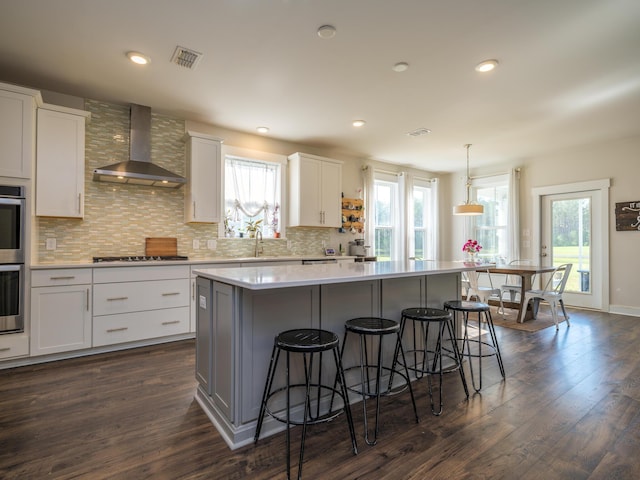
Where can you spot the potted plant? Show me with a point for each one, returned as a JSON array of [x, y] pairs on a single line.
[[274, 221], [228, 227], [253, 226]]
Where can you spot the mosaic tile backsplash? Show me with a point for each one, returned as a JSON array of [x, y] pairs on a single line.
[[118, 218]]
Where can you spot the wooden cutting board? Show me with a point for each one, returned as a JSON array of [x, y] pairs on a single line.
[[161, 246]]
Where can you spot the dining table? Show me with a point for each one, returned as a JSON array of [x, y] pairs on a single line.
[[526, 273]]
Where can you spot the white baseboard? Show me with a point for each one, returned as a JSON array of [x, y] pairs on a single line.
[[625, 310]]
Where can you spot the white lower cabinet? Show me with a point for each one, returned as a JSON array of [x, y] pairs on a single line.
[[60, 310], [14, 345], [139, 303]]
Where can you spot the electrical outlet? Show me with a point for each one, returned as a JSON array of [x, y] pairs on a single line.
[[212, 244], [289, 244], [196, 244], [50, 244]]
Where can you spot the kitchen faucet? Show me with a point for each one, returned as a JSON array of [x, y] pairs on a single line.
[[258, 248]]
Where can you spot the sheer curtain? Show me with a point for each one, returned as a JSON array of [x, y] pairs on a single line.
[[513, 219], [435, 220], [369, 204], [253, 186]]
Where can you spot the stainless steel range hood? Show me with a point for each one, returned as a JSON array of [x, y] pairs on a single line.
[[139, 170]]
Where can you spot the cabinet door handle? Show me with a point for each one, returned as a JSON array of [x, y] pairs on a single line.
[[5, 349], [193, 290], [112, 299], [79, 202], [68, 277], [168, 294], [121, 329], [194, 210], [87, 299], [171, 322]]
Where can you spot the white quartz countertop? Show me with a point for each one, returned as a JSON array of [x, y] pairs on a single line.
[[283, 276], [195, 263]]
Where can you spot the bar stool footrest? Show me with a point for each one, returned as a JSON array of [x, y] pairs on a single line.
[[324, 418], [388, 391]]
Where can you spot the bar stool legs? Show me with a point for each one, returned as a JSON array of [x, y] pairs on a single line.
[[307, 342], [434, 366], [366, 327], [493, 349]]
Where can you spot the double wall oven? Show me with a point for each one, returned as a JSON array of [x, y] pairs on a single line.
[[12, 255]]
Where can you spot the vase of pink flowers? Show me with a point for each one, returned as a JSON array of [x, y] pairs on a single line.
[[471, 248]]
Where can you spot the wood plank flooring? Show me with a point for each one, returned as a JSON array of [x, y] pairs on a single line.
[[569, 409]]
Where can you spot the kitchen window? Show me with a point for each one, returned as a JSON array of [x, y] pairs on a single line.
[[404, 213], [497, 229], [422, 214], [253, 192], [387, 215]]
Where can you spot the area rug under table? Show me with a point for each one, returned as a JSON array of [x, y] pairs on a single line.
[[510, 320]]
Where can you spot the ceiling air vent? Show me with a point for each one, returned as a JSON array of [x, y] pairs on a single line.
[[186, 57], [418, 132]]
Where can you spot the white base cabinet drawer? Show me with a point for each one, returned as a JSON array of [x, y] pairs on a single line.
[[60, 276], [114, 298], [130, 327], [14, 345]]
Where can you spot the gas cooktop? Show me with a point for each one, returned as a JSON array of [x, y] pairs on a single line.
[[139, 258]]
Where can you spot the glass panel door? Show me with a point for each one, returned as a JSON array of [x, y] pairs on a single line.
[[568, 223]]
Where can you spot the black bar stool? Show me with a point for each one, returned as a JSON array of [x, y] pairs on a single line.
[[482, 310], [307, 342], [422, 364], [375, 326]]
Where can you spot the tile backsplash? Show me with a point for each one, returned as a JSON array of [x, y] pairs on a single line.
[[118, 218]]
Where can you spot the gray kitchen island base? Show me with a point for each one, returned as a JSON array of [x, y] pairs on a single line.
[[236, 326]]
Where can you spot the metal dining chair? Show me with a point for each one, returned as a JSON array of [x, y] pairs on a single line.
[[551, 293], [513, 284], [480, 291]]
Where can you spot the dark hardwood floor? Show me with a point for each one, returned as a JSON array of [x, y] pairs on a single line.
[[569, 409]]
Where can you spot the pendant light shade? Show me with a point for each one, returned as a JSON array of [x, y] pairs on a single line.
[[468, 208]]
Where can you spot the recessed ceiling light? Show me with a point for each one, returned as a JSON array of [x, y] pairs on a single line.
[[358, 123], [139, 58], [262, 129], [400, 67], [486, 66], [327, 31]]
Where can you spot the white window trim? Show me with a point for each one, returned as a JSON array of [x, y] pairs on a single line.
[[250, 154]]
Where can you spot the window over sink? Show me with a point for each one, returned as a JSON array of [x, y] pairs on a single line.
[[253, 192]]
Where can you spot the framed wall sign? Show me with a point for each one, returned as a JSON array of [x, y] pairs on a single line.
[[628, 216]]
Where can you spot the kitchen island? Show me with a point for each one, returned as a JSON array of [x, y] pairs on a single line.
[[241, 310]]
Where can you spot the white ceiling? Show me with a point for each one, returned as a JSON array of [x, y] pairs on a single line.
[[569, 70]]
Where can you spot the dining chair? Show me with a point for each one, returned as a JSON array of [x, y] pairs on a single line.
[[551, 293], [480, 291], [513, 283]]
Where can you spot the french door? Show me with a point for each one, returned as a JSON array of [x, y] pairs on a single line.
[[573, 228]]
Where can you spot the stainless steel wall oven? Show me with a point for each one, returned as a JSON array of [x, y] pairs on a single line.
[[12, 254]]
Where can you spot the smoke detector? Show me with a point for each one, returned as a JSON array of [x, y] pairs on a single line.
[[185, 57]]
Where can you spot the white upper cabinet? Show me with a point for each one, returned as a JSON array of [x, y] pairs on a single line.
[[60, 162], [204, 179], [315, 190], [17, 130]]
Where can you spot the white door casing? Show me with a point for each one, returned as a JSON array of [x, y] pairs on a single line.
[[598, 192]]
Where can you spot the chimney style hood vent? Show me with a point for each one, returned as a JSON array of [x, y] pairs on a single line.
[[139, 170]]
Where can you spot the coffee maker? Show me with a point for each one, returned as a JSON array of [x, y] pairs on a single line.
[[357, 248]]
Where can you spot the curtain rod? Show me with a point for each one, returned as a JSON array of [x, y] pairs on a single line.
[[517, 170]]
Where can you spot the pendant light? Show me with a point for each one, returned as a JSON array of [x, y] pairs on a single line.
[[468, 208]]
